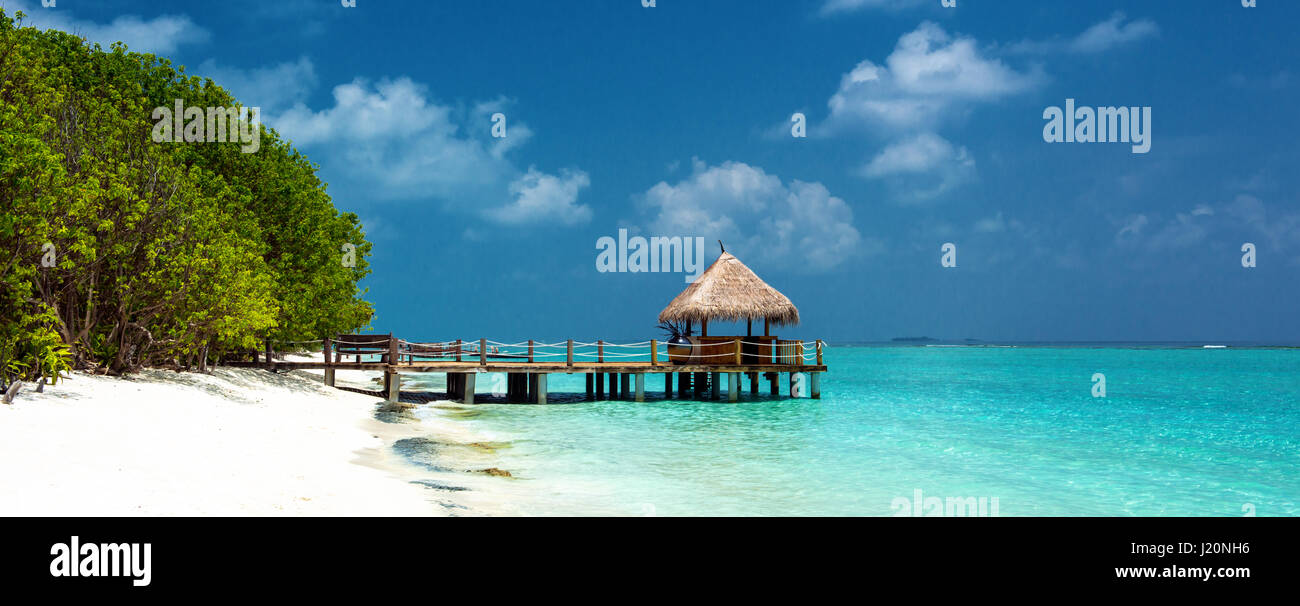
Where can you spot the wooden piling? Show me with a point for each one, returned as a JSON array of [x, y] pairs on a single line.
[[668, 385], [640, 387], [714, 388], [468, 392], [394, 386], [454, 382], [815, 385], [327, 349], [733, 386]]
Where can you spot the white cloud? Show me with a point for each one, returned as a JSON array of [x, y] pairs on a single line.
[[1179, 232], [539, 196], [929, 79], [1132, 227], [757, 215], [160, 35], [921, 167], [395, 141], [1279, 230], [929, 76], [1106, 35], [273, 88], [832, 7], [920, 154], [1245, 216], [1111, 33], [998, 224]]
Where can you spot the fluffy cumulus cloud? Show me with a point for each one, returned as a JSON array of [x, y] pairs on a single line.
[[757, 215], [539, 196], [1112, 33], [928, 77], [273, 88], [159, 35], [925, 166], [393, 141]]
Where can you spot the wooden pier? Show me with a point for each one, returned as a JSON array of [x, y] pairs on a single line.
[[613, 371]]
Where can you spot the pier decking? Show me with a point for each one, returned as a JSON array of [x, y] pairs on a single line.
[[699, 368]]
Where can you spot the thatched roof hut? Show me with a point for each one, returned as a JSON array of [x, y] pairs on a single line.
[[728, 290]]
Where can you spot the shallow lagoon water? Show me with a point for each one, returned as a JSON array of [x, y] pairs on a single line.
[[1181, 431]]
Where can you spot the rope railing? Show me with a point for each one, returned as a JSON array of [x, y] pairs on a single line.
[[659, 353]]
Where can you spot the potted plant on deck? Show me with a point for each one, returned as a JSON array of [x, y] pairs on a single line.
[[679, 341]]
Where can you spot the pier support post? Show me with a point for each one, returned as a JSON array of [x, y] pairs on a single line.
[[668, 385], [394, 381], [468, 396], [326, 349], [591, 384], [600, 386], [714, 388], [774, 382], [534, 382], [625, 384], [640, 387], [541, 388], [683, 385], [753, 383], [733, 386], [815, 380]]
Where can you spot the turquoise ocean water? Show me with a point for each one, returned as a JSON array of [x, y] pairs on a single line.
[[1181, 431]]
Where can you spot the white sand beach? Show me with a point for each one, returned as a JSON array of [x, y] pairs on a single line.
[[233, 442]]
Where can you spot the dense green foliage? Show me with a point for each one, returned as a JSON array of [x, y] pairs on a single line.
[[165, 253]]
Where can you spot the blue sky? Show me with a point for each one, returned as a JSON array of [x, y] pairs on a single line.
[[925, 126]]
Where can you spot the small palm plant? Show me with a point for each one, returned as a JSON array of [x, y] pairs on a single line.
[[679, 342]]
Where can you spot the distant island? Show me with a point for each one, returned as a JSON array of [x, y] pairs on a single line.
[[914, 340]]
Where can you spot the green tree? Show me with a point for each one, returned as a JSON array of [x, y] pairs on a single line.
[[164, 253]]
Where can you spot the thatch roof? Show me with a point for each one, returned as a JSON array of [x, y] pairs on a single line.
[[728, 290]]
